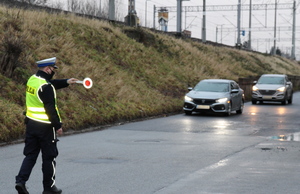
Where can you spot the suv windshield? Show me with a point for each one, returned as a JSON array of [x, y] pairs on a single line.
[[271, 80], [212, 87]]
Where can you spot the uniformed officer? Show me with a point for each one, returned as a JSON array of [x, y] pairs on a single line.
[[43, 122]]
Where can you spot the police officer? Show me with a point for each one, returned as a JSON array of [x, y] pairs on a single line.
[[43, 122]]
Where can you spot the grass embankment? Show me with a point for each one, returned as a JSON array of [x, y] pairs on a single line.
[[136, 73]]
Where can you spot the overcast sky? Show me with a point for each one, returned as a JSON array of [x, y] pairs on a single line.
[[224, 21]]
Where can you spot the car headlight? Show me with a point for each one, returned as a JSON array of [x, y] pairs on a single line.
[[254, 88], [222, 100], [281, 89], [186, 98]]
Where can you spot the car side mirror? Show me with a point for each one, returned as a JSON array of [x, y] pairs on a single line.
[[190, 88], [289, 83], [234, 91], [254, 82]]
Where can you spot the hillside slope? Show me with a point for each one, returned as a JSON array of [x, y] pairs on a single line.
[[136, 73]]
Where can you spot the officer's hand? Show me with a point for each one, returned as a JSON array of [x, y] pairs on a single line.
[[72, 80], [59, 131]]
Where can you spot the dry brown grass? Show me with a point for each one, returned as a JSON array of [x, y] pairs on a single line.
[[138, 76]]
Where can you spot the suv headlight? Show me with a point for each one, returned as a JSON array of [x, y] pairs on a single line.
[[281, 89], [186, 98], [222, 100], [254, 88]]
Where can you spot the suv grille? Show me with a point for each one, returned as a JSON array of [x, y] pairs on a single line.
[[267, 92], [204, 101]]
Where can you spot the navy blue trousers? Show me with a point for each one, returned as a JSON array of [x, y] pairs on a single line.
[[40, 137]]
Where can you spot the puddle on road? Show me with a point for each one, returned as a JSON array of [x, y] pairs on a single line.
[[290, 137], [271, 147]]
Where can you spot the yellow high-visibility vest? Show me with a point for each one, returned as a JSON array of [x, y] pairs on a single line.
[[34, 106]]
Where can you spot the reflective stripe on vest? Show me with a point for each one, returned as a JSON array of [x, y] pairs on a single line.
[[34, 106]]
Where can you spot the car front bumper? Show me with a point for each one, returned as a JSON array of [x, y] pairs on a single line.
[[275, 96], [215, 107]]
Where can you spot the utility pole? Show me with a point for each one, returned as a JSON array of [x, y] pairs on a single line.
[[294, 31], [146, 12], [239, 25], [216, 34], [204, 23], [179, 8], [250, 24], [111, 14], [154, 11], [275, 22], [222, 33], [185, 19], [100, 9]]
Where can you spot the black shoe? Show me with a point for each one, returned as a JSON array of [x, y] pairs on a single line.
[[52, 190], [21, 188]]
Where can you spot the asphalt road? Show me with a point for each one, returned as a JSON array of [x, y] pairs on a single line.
[[256, 152]]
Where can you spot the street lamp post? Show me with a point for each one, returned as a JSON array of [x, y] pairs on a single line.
[[146, 12]]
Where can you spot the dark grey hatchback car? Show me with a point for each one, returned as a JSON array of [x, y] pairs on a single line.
[[273, 87]]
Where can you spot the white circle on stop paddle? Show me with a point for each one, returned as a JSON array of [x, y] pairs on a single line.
[[87, 83]]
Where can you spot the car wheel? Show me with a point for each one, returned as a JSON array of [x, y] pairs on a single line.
[[254, 101], [284, 101], [290, 101], [228, 113], [188, 112], [240, 111]]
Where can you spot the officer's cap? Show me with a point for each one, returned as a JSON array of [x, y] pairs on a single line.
[[47, 62]]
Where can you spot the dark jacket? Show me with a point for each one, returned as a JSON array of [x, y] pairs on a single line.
[[46, 94]]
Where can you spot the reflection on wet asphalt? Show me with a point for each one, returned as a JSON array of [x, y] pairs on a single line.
[[265, 120]]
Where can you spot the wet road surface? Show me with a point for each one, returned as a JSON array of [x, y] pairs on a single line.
[[256, 152]]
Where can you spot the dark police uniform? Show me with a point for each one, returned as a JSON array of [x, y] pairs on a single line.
[[42, 122]]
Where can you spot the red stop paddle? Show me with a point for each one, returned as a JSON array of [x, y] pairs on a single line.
[[87, 82]]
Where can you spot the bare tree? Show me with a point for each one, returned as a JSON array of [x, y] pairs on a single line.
[[104, 11], [118, 11], [98, 11], [27, 1], [89, 8], [74, 5], [38, 2], [57, 5]]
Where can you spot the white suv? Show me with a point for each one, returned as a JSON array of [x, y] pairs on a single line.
[[273, 87]]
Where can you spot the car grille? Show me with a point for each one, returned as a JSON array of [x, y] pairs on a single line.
[[204, 101], [267, 92]]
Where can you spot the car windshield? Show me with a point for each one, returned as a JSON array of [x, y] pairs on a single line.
[[212, 87], [271, 80]]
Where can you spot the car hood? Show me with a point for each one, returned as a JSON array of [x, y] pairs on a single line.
[[207, 95], [268, 86]]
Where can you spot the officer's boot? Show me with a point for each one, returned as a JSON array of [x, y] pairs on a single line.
[[52, 190], [21, 188]]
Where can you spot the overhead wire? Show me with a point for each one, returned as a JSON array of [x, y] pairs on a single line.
[[213, 18]]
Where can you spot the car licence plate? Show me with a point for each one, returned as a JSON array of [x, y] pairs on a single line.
[[267, 97], [203, 106]]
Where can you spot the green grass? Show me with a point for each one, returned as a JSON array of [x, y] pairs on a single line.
[[136, 72]]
